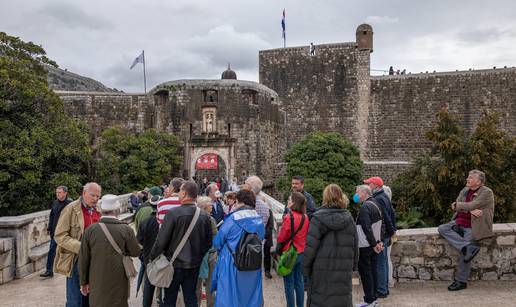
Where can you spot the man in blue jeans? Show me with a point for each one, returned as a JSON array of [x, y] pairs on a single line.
[[57, 206], [388, 228]]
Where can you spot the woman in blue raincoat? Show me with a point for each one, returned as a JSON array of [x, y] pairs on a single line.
[[237, 288]]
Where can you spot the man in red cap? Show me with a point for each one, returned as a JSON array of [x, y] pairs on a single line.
[[389, 229]]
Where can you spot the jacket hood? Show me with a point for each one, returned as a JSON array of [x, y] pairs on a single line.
[[250, 221], [333, 218]]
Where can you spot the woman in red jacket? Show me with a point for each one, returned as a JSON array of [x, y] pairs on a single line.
[[297, 236]]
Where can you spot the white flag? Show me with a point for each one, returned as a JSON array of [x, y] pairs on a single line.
[[139, 59]]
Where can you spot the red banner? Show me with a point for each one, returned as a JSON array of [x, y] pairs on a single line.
[[207, 161]]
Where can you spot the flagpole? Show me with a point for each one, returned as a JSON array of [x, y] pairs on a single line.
[[144, 77]]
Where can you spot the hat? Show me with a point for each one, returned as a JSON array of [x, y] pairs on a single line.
[[109, 202], [376, 180], [155, 191], [154, 200]]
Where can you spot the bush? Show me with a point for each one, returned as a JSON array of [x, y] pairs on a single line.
[[323, 158], [127, 162], [436, 178]]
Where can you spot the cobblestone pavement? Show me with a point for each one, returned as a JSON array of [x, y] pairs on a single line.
[[37, 292]]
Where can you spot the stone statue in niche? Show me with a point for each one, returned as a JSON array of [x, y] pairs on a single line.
[[209, 122]]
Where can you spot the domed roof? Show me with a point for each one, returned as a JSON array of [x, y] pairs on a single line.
[[229, 74], [364, 27]]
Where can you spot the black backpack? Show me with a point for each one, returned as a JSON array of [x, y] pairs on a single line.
[[248, 256]]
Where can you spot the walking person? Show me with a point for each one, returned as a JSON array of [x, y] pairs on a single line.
[[294, 230], [101, 267], [75, 218], [471, 222], [235, 287], [57, 206], [331, 251], [369, 232], [298, 185], [210, 258], [188, 261], [146, 235]]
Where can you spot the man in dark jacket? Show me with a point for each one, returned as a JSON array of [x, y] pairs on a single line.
[[188, 262], [369, 231], [218, 209], [388, 228], [147, 234], [298, 185], [57, 206]]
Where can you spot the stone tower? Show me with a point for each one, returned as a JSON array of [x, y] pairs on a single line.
[[365, 37]]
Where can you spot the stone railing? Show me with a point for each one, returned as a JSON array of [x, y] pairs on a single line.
[[421, 254], [24, 242]]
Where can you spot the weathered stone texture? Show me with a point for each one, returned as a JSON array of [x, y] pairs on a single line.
[[420, 254]]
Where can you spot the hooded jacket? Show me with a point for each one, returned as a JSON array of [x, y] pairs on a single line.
[[240, 288], [331, 254]]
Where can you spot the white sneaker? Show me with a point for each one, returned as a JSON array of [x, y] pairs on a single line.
[[364, 304]]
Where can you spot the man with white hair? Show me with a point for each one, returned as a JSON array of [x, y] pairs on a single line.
[[369, 232], [471, 222], [75, 218], [263, 210], [103, 247]]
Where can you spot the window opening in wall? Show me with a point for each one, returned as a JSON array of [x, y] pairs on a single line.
[[191, 129], [210, 96], [229, 130]]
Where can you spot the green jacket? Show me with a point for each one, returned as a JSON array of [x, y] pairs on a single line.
[[101, 267], [142, 214]]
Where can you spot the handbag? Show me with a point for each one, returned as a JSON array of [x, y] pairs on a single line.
[[288, 258], [130, 270], [160, 271]]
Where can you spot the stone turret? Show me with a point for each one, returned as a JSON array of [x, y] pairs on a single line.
[[365, 37]]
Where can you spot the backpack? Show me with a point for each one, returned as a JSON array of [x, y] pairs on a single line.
[[288, 259], [248, 256]]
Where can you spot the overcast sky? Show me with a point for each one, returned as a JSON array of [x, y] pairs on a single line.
[[196, 39]]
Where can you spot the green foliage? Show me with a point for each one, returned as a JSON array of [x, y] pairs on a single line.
[[323, 158], [413, 218], [436, 178], [127, 162], [39, 144]]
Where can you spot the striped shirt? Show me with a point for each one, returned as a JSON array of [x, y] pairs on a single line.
[[263, 210], [165, 205]]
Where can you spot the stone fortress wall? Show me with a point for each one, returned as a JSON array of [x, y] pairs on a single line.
[[385, 116]]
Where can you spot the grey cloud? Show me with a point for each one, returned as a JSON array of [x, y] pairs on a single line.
[[478, 36], [70, 16]]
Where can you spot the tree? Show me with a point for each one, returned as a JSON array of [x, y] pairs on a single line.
[[323, 158], [40, 147], [436, 177], [127, 162]]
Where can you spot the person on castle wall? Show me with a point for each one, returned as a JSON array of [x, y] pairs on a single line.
[[104, 244], [312, 49], [388, 229], [471, 222], [75, 218], [391, 71], [57, 206]]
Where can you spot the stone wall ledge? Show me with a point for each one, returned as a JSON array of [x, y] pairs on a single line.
[[39, 252], [21, 220]]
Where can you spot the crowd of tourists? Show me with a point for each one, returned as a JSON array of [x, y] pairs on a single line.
[[195, 244]]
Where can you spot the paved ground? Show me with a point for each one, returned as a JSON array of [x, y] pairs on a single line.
[[34, 291]]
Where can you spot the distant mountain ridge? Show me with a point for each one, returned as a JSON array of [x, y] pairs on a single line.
[[63, 80]]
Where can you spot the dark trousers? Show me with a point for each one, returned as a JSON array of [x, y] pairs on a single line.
[[51, 255], [148, 292], [187, 280], [267, 255], [367, 264]]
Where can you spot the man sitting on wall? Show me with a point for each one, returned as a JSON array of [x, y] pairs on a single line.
[[472, 221]]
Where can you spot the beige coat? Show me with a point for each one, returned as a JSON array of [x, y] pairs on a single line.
[[483, 199], [68, 235]]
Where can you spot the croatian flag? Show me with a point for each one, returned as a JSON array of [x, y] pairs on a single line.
[[283, 24]]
